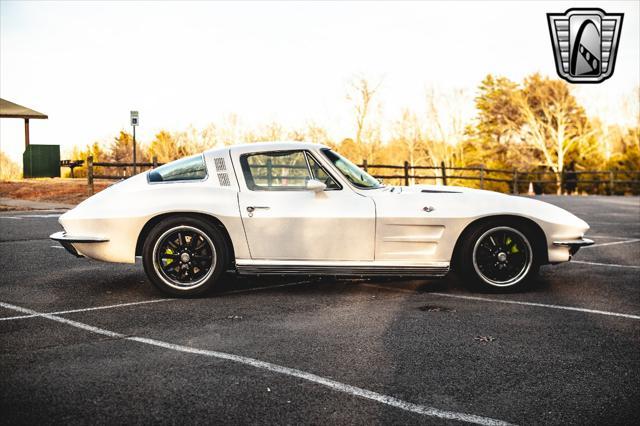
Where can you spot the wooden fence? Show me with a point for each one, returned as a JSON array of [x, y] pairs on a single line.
[[514, 181], [123, 167]]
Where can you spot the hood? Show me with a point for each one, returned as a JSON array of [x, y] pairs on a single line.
[[439, 189], [461, 202]]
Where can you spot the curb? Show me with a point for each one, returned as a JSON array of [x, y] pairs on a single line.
[[33, 205]]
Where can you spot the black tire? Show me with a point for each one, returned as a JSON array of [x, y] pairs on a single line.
[[500, 256], [196, 249]]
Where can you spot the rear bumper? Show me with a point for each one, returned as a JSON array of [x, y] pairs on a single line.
[[67, 241], [574, 244]]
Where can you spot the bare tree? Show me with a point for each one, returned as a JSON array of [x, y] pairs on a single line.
[[297, 135], [551, 121], [444, 128], [229, 131], [272, 131], [361, 93], [408, 133], [192, 141], [317, 134]]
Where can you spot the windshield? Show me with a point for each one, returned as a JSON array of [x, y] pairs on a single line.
[[354, 174]]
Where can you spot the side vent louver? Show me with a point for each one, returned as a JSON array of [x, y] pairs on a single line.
[[220, 164], [224, 179], [221, 168]]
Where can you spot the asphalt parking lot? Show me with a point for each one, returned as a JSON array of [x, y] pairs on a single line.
[[88, 342]]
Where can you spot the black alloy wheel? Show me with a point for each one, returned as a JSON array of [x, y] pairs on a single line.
[[184, 256], [499, 256]]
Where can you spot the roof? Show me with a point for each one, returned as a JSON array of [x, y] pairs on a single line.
[[11, 110], [243, 148], [273, 146]]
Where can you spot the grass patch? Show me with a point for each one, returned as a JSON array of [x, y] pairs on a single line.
[[67, 191]]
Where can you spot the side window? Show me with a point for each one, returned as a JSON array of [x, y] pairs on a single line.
[[191, 168], [320, 174], [275, 171]]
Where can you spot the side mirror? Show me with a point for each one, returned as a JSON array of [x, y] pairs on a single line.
[[315, 185]]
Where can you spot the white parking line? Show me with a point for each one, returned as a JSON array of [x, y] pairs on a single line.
[[252, 289], [144, 302], [32, 313], [613, 265], [95, 308], [30, 216], [540, 305], [329, 383], [609, 223], [635, 240], [510, 302], [608, 236]]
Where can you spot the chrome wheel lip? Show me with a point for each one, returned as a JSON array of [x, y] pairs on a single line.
[[176, 284], [523, 272]]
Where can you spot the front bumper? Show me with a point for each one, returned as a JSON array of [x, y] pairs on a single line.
[[574, 245], [67, 241]]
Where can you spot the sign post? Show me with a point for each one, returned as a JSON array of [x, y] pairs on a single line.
[[134, 124]]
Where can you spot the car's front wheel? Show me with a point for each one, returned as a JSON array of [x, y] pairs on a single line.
[[500, 256], [184, 256]]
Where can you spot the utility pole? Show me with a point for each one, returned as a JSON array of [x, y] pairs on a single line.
[[134, 124], [26, 133]]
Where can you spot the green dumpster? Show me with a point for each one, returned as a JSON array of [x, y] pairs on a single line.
[[41, 161]]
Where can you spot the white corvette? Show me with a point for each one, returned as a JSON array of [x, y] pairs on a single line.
[[302, 209]]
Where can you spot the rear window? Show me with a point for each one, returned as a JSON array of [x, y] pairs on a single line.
[[190, 168]]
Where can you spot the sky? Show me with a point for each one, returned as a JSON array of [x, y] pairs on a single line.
[[87, 64]]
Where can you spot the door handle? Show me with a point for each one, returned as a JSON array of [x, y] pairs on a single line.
[[251, 209]]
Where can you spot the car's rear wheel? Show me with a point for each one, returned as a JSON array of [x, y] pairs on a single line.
[[500, 256], [184, 256]]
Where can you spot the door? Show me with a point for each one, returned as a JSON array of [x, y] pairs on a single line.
[[283, 220]]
